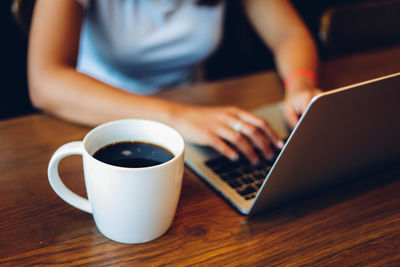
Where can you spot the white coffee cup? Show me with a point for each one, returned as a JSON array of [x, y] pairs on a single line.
[[129, 205]]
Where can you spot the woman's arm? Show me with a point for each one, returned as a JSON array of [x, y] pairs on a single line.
[[57, 88], [285, 34]]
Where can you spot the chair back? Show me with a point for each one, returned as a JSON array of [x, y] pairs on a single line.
[[360, 26]]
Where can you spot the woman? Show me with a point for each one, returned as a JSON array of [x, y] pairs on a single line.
[[94, 61]]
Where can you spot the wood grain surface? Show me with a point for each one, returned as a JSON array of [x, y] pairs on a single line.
[[354, 224]]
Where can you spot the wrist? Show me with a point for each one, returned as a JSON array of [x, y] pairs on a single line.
[[300, 79], [174, 112]]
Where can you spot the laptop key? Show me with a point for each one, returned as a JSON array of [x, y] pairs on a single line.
[[249, 197], [234, 183], [247, 169], [263, 173], [222, 165], [221, 169], [224, 168], [247, 180], [260, 167], [259, 177], [247, 190], [230, 175], [215, 161], [258, 184]]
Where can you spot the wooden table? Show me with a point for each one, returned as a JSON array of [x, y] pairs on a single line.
[[357, 223]]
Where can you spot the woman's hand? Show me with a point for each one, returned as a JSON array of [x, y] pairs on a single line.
[[218, 126], [297, 96]]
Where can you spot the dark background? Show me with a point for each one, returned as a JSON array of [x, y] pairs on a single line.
[[359, 25], [14, 100], [241, 51]]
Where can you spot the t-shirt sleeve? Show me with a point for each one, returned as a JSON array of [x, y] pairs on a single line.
[[84, 3]]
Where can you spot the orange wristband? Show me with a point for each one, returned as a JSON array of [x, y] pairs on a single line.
[[300, 72]]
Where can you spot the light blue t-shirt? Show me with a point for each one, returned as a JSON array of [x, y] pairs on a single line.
[[143, 46]]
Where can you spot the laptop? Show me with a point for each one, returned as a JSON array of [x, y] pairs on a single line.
[[341, 133]]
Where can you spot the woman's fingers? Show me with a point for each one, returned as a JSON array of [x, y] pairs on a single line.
[[254, 135], [222, 147], [257, 125], [239, 141], [292, 117], [246, 131], [296, 103]]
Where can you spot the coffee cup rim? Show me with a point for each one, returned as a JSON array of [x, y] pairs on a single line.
[[107, 124]]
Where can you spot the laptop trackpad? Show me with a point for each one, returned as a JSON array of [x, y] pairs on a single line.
[[274, 116]]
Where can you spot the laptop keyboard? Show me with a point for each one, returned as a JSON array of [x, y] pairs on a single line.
[[241, 175]]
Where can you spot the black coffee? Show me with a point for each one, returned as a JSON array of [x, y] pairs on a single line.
[[133, 154]]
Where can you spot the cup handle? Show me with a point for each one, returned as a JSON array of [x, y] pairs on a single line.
[[72, 148]]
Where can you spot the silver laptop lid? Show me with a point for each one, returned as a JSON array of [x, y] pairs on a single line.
[[342, 132]]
